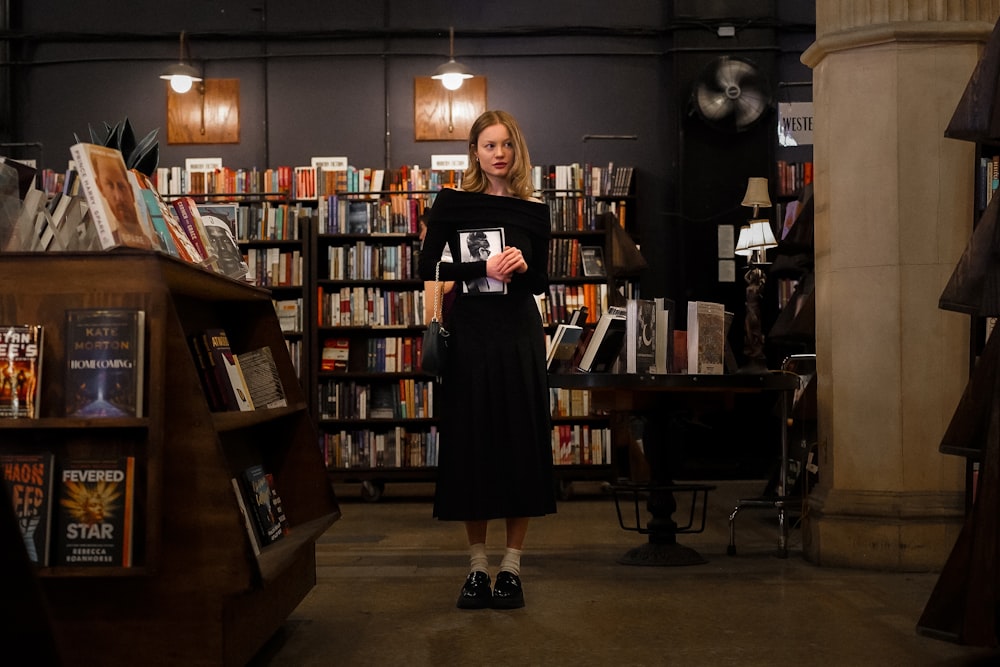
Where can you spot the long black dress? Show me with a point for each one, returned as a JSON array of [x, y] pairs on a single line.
[[495, 457]]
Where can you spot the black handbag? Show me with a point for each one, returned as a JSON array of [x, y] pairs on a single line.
[[434, 350]]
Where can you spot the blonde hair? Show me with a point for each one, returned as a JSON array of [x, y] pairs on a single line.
[[519, 177]]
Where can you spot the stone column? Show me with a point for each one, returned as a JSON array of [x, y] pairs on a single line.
[[894, 209]]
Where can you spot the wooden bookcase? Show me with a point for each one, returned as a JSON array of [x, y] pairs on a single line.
[[197, 595]]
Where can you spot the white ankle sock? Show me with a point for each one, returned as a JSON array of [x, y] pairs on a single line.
[[477, 558], [511, 561]]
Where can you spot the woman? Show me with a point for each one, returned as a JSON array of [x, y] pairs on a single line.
[[495, 460]]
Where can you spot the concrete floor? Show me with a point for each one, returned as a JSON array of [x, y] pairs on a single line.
[[388, 576]]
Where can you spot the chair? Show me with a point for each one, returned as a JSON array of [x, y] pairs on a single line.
[[803, 411]]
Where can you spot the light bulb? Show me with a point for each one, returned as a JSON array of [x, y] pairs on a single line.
[[181, 84], [452, 81]]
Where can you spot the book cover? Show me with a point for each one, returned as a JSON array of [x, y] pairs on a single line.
[[151, 212], [186, 210], [279, 507], [664, 351], [262, 378], [605, 343], [260, 506], [640, 344], [105, 356], [476, 245], [95, 512], [706, 338], [28, 481], [110, 198], [21, 348], [219, 221], [206, 372], [228, 374]]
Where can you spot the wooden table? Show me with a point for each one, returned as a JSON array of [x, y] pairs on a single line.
[[632, 393]]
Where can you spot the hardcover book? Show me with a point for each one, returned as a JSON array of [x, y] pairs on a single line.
[[110, 198], [605, 343], [476, 245], [563, 346], [219, 221], [96, 507], [262, 379], [228, 373], [105, 356], [28, 481], [21, 348], [336, 354], [191, 223], [706, 337], [260, 505], [640, 344]]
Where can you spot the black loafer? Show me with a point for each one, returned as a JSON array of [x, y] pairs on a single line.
[[507, 593], [475, 592]]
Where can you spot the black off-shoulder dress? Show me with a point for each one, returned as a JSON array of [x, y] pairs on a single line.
[[495, 456]]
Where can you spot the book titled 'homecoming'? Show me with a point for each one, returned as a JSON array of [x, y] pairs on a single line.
[[96, 506], [104, 362], [20, 370]]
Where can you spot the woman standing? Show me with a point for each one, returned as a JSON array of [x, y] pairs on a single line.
[[495, 460]]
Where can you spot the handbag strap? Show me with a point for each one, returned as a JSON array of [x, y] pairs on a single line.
[[436, 316]]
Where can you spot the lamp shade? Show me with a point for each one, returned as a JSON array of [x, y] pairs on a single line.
[[452, 74], [756, 195], [743, 242], [181, 77], [761, 235]]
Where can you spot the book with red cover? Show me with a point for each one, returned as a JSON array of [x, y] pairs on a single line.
[[21, 348]]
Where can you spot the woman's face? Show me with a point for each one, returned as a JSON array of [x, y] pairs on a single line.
[[495, 151]]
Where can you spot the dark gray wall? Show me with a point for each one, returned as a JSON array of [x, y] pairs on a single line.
[[337, 79]]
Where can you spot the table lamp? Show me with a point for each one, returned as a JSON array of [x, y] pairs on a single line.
[[755, 238]]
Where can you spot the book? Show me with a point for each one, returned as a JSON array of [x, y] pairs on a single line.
[[248, 521], [167, 225], [219, 221], [562, 347], [228, 374], [605, 343], [640, 336], [28, 481], [206, 372], [706, 340], [336, 354], [110, 198], [592, 260], [186, 210], [151, 211], [279, 507], [476, 245], [664, 313], [105, 357], [95, 512], [21, 348], [260, 506], [262, 378]]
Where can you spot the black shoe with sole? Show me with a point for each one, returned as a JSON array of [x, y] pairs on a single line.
[[507, 592], [475, 592]]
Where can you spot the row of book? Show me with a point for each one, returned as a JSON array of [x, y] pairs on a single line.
[[274, 267], [239, 382], [359, 306], [406, 398], [591, 180], [394, 214], [103, 365], [73, 511], [570, 402], [563, 300], [373, 261], [581, 444], [641, 338], [270, 221], [393, 448], [380, 354], [792, 177]]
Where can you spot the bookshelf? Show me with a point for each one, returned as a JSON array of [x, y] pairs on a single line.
[[375, 407], [197, 593]]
